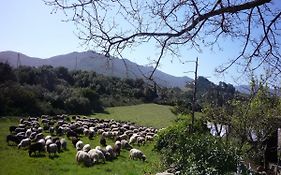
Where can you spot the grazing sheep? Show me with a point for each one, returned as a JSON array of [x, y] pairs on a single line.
[[86, 132], [28, 132], [109, 149], [35, 147], [42, 141], [117, 148], [24, 143], [12, 129], [148, 138], [63, 143], [39, 136], [97, 155], [106, 154], [79, 145], [98, 148], [125, 145], [48, 137], [91, 134], [12, 138], [71, 133], [21, 134], [83, 157], [51, 130], [133, 139], [40, 130], [32, 135], [103, 141], [86, 148], [54, 139], [48, 142], [124, 137], [57, 142], [52, 148], [59, 130], [17, 130], [137, 154], [140, 140]]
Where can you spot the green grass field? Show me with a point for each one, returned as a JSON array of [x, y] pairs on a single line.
[[16, 162], [145, 114]]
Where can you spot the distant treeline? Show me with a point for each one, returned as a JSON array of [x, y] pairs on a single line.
[[49, 90]]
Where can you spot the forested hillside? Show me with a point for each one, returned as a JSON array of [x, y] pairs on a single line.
[[99, 63], [31, 91], [49, 90]]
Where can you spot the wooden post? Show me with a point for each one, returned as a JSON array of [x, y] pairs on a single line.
[[194, 96]]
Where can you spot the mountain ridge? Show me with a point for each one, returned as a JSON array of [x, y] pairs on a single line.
[[93, 61]]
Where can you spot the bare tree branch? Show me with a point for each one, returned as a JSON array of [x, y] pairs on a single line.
[[115, 25]]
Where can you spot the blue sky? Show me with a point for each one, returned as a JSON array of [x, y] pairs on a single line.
[[27, 26]]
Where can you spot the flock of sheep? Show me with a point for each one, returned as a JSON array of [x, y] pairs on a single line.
[[29, 134]]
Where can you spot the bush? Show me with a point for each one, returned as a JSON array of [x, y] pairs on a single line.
[[78, 105], [196, 153], [18, 100]]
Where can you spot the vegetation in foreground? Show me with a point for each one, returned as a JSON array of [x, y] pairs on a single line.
[[195, 153], [249, 129]]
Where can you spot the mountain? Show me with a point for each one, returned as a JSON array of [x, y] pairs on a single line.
[[92, 61], [244, 89]]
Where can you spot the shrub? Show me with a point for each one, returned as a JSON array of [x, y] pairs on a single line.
[[78, 105], [196, 153]]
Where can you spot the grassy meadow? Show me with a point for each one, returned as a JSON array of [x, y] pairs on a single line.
[[16, 162], [145, 114]]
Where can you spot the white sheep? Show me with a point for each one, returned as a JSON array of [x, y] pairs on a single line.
[[63, 143], [117, 147], [137, 154], [52, 148], [86, 148], [106, 134], [118, 143], [39, 136], [97, 155], [123, 137], [149, 138], [28, 132], [79, 145], [125, 144], [98, 147], [140, 140], [133, 139], [42, 141], [40, 129], [48, 137], [110, 150], [86, 131], [106, 154], [32, 135], [83, 157], [24, 143], [48, 142]]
